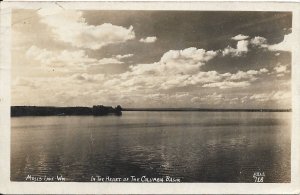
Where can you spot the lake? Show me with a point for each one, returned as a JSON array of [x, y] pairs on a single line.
[[191, 146]]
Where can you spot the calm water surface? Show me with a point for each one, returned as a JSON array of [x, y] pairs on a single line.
[[192, 146]]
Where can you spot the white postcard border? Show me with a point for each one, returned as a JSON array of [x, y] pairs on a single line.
[[8, 187]]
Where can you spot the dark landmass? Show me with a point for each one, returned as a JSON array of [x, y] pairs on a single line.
[[99, 110], [204, 110]]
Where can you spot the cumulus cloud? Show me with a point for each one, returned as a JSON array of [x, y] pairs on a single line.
[[240, 37], [263, 70], [213, 99], [175, 69], [273, 96], [148, 39], [84, 77], [156, 96], [69, 60], [177, 64], [277, 54], [246, 44], [181, 68], [285, 45], [249, 75], [259, 42], [241, 49], [186, 61], [60, 60], [110, 61], [114, 60], [281, 68], [182, 94], [243, 46], [228, 84], [124, 56], [214, 96], [69, 26]]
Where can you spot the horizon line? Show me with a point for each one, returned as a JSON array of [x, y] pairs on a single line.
[[209, 109], [180, 108]]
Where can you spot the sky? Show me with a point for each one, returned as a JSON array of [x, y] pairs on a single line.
[[151, 59]]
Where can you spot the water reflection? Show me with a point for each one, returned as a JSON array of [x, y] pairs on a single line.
[[193, 146]]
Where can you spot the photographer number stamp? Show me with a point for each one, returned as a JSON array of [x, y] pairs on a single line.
[[259, 177]]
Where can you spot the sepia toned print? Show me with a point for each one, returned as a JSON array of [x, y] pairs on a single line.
[[151, 96]]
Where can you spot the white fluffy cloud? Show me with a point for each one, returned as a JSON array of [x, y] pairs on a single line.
[[124, 56], [213, 98], [248, 75], [60, 60], [228, 84], [69, 26], [263, 70], [185, 61], [148, 39], [176, 68], [114, 60], [110, 61], [240, 37], [244, 45], [69, 60], [84, 77], [238, 79], [259, 42], [273, 96], [241, 49], [280, 68], [285, 45], [181, 68]]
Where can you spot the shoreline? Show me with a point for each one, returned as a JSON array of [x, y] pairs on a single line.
[[19, 111]]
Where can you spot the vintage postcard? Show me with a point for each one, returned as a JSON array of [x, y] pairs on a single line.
[[149, 97]]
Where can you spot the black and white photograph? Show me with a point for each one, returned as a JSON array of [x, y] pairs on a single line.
[[151, 96], [189, 96]]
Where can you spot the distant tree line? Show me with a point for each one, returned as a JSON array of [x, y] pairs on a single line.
[[98, 110]]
